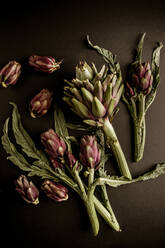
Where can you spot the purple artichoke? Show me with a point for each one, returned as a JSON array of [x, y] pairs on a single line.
[[54, 145], [55, 191], [40, 103], [142, 78], [90, 154], [10, 73], [27, 190], [44, 63]]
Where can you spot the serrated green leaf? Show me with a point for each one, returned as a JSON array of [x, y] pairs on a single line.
[[24, 139], [43, 174], [15, 157], [107, 55], [115, 181]]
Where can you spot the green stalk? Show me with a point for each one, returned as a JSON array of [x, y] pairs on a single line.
[[108, 216], [89, 204], [139, 129], [139, 139], [116, 148]]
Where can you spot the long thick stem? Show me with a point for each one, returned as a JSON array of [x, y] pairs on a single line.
[[109, 217], [116, 148], [139, 129], [139, 139], [89, 204]]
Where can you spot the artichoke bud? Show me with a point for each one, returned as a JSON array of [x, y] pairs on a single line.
[[87, 96], [84, 71], [89, 152], [55, 191], [40, 103], [44, 63], [54, 145], [98, 108], [80, 108], [98, 90], [143, 78], [10, 73], [27, 190]]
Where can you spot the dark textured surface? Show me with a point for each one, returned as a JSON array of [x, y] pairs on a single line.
[[58, 29]]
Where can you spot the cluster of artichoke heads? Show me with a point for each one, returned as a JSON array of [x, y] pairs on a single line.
[[93, 95], [55, 147], [10, 73], [30, 193]]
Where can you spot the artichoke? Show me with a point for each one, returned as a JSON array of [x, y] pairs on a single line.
[[10, 73], [54, 145], [44, 63], [94, 96], [27, 190], [55, 191], [90, 154], [40, 103]]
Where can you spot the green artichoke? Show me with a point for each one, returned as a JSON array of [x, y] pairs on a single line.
[[93, 95]]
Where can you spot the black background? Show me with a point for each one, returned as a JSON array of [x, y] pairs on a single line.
[[58, 29]]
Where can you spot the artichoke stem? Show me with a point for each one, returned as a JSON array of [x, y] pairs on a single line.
[[139, 139], [90, 207], [112, 140]]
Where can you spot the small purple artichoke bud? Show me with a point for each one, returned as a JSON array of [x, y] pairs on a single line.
[[90, 154], [27, 190], [10, 73], [44, 63], [129, 90], [40, 103], [55, 191], [54, 145], [143, 78], [71, 160]]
